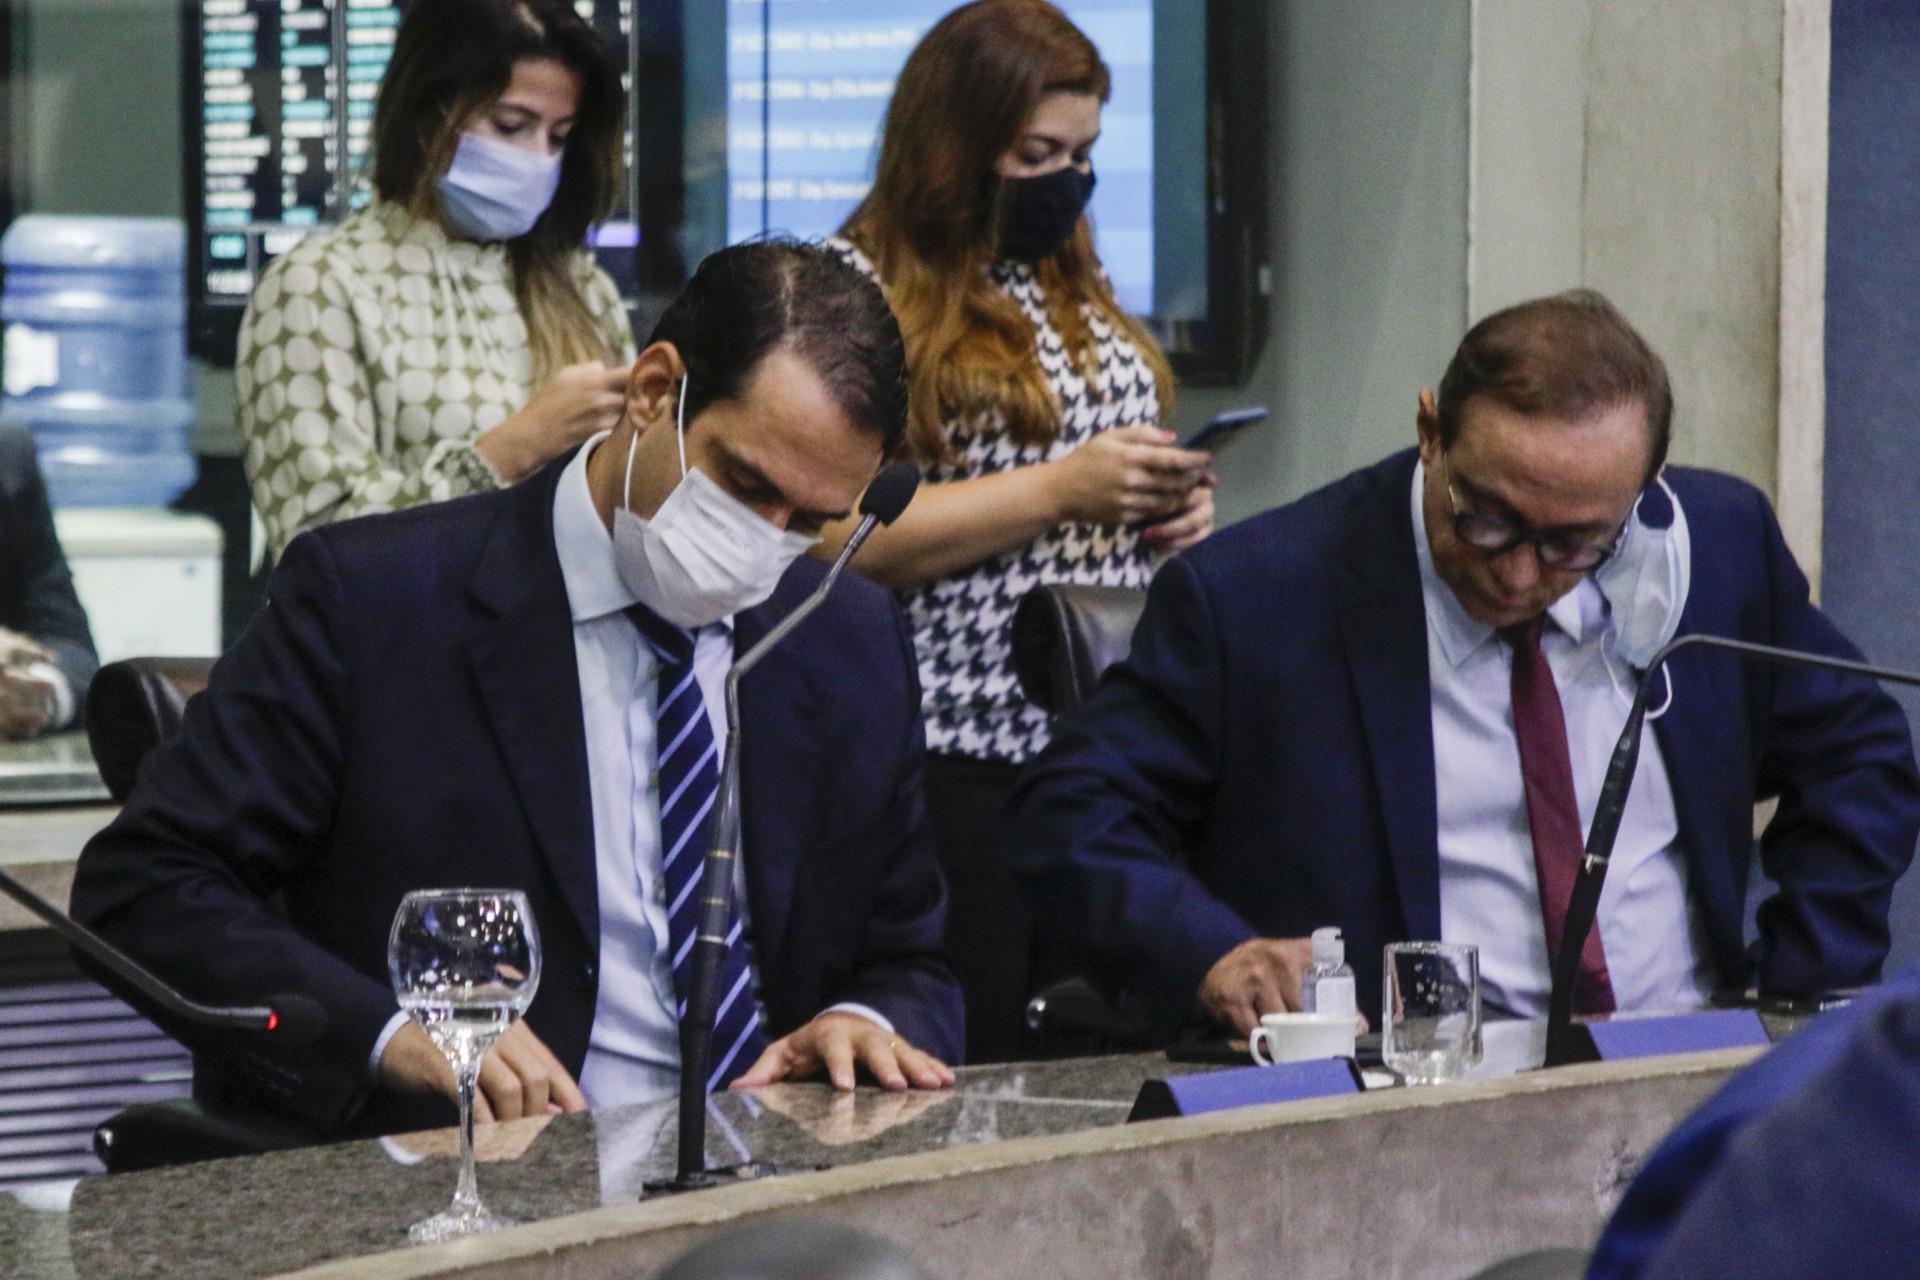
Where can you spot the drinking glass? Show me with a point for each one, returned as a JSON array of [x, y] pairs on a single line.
[[465, 964], [1430, 1010]]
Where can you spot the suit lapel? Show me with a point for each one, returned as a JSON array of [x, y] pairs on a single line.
[[523, 662], [1699, 751], [775, 700], [1384, 628]]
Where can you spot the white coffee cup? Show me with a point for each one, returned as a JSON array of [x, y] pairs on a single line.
[[1297, 1037]]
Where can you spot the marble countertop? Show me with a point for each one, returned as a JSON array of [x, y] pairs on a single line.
[[56, 769], [235, 1219], [39, 846], [267, 1215]]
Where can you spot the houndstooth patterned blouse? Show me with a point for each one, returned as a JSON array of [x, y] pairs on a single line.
[[371, 358], [963, 624]]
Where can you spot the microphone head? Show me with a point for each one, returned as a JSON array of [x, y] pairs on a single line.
[[890, 491], [298, 1020]]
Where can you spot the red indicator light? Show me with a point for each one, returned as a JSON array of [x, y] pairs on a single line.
[[273, 1020]]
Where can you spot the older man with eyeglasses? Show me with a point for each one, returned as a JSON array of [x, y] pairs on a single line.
[[1390, 705]]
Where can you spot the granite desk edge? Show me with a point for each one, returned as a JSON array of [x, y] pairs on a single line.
[[555, 1235]]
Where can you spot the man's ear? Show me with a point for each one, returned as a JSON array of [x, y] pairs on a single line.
[[1426, 421], [653, 385]]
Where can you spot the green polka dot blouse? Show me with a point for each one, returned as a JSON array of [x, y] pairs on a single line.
[[373, 356]]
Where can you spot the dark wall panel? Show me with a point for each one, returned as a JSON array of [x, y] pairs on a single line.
[[1872, 535]]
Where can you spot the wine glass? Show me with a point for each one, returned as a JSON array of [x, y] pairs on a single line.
[[465, 964]]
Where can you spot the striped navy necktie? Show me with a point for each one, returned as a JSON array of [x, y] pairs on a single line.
[[687, 764]]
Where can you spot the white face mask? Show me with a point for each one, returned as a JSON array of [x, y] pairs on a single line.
[[494, 190], [1646, 580], [705, 555]]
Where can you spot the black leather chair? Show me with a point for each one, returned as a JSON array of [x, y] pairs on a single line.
[[1064, 637], [133, 706]]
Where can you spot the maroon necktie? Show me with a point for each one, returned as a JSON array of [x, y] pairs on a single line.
[[1553, 812]]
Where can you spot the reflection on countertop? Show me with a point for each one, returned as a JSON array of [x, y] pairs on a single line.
[[267, 1215]]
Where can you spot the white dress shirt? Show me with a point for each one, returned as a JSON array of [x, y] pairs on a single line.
[[633, 1052], [1489, 890]]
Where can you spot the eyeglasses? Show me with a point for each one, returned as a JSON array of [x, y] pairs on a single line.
[[1496, 535]]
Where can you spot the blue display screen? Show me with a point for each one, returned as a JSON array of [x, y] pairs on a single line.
[[808, 83]]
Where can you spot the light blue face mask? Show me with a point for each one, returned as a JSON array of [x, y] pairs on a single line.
[[1646, 579], [494, 190]]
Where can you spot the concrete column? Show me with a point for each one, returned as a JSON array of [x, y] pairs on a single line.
[[1806, 77], [1635, 146]]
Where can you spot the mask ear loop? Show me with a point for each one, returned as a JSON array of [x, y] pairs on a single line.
[[680, 435], [680, 425], [626, 489], [1666, 678]]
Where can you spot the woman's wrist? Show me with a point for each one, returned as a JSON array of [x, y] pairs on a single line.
[[1052, 482], [504, 448]]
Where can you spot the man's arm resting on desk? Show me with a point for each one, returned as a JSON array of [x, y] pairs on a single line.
[[225, 813], [35, 695], [841, 1040], [1260, 976], [37, 598], [1095, 826], [519, 1076]]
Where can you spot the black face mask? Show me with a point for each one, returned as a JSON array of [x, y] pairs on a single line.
[[1041, 213]]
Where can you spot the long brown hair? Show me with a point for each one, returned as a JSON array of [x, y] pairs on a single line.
[[931, 224], [451, 60]]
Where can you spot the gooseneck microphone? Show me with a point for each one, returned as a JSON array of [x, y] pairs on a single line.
[[290, 1021], [1564, 1044], [883, 502]]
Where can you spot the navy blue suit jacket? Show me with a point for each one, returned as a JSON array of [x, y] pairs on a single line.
[[1262, 763], [406, 713]]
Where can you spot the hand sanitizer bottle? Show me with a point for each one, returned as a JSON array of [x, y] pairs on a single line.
[[1327, 985]]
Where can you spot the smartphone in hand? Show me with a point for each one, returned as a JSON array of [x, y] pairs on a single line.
[[1222, 428], [1225, 427]]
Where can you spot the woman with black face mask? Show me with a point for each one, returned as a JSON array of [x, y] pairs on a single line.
[[1036, 408]]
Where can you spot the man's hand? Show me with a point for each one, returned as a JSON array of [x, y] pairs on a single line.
[[840, 1042], [26, 704], [1260, 976], [17, 650], [518, 1077], [26, 700]]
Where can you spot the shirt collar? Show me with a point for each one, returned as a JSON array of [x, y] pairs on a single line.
[[594, 585], [1579, 613]]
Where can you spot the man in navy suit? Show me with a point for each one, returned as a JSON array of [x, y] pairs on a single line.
[[522, 689], [1389, 707]]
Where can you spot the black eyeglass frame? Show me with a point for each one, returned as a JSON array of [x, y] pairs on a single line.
[[1497, 535]]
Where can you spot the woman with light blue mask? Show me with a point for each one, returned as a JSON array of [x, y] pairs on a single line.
[[454, 335]]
